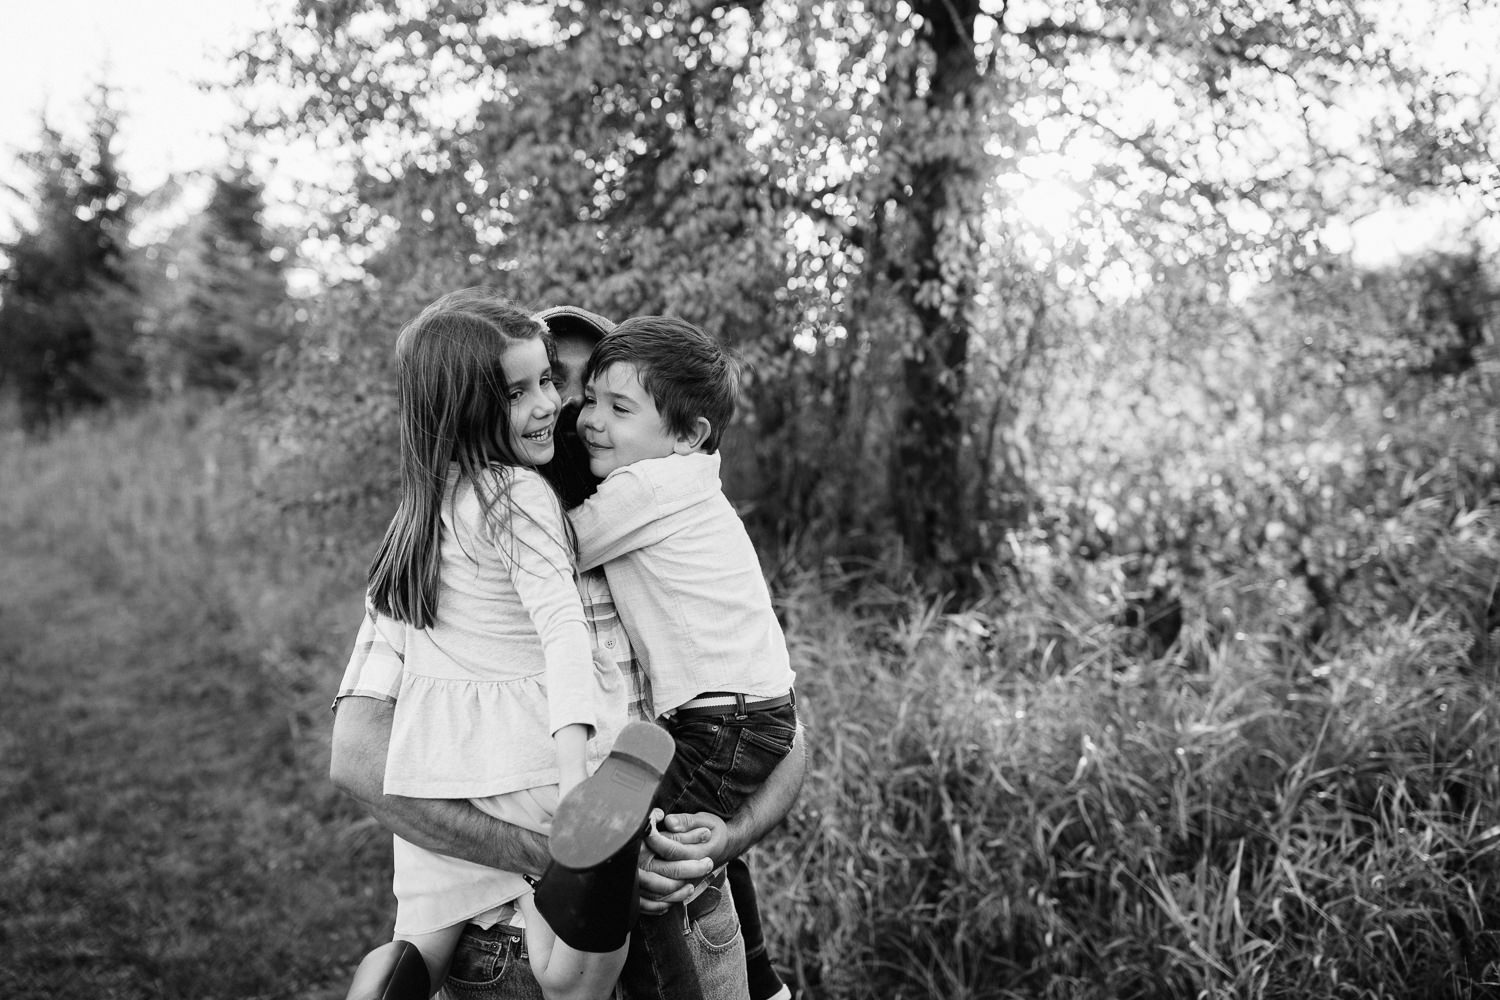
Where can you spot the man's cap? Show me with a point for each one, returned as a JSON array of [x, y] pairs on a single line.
[[563, 321]]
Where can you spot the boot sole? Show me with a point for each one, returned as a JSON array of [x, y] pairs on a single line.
[[603, 812]]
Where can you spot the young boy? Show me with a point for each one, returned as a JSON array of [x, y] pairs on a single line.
[[688, 588]]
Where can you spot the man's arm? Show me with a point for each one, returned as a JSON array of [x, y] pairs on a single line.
[[770, 805], [361, 740], [681, 841]]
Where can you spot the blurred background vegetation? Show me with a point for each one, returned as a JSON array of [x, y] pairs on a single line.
[[1136, 533]]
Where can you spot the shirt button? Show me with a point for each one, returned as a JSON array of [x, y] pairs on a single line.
[[610, 643]]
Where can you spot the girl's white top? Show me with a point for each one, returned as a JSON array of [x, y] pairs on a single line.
[[507, 662]]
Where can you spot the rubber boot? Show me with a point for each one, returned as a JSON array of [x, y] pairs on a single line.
[[394, 971], [588, 893], [610, 806], [595, 909]]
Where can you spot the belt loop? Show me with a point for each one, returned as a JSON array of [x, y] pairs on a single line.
[[739, 706]]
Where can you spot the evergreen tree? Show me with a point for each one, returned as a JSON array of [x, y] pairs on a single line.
[[215, 308], [68, 318]]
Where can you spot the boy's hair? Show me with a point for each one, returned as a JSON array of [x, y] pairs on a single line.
[[687, 373]]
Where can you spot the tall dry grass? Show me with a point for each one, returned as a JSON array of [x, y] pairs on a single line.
[[1267, 827]]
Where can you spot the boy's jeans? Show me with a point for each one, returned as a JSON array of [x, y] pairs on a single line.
[[721, 759]]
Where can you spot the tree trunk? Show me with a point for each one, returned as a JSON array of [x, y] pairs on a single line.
[[942, 214]]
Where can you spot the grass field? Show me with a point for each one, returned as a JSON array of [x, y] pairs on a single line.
[[1001, 804], [169, 830]]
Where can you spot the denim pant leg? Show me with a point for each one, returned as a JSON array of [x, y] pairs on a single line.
[[659, 964], [717, 948], [720, 760], [764, 980], [491, 965]]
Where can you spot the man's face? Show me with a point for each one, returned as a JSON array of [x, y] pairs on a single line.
[[572, 356]]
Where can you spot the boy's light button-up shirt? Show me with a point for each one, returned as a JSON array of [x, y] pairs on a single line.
[[686, 580]]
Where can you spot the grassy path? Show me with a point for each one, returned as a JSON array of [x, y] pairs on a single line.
[[168, 829]]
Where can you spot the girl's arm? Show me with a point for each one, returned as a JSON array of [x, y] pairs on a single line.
[[572, 743], [540, 565]]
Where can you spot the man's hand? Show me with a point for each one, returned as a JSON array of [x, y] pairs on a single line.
[[679, 851], [690, 836]]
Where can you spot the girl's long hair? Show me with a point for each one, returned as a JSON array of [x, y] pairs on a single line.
[[453, 410]]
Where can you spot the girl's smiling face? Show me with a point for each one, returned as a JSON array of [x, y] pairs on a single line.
[[533, 401]]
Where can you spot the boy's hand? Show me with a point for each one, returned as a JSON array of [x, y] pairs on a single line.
[[675, 859]]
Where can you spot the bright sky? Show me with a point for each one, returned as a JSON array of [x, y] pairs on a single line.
[[153, 52]]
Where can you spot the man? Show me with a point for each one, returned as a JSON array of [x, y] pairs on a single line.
[[489, 960]]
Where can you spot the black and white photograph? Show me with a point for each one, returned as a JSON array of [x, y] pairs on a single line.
[[750, 500]]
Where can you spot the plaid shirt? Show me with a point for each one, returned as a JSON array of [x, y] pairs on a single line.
[[376, 664]]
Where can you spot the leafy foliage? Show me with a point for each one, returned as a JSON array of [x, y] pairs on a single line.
[[841, 191]]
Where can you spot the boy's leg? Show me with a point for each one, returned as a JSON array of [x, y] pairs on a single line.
[[765, 984], [716, 767], [660, 965]]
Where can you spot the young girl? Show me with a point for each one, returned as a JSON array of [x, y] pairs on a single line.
[[500, 693]]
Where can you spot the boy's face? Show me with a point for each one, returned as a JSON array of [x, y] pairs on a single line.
[[620, 424]]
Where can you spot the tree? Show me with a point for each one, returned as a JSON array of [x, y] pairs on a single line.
[[840, 190], [216, 303], [69, 310]]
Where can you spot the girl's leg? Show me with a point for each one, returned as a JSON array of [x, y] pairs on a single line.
[[437, 950], [564, 972], [587, 901], [394, 971]]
